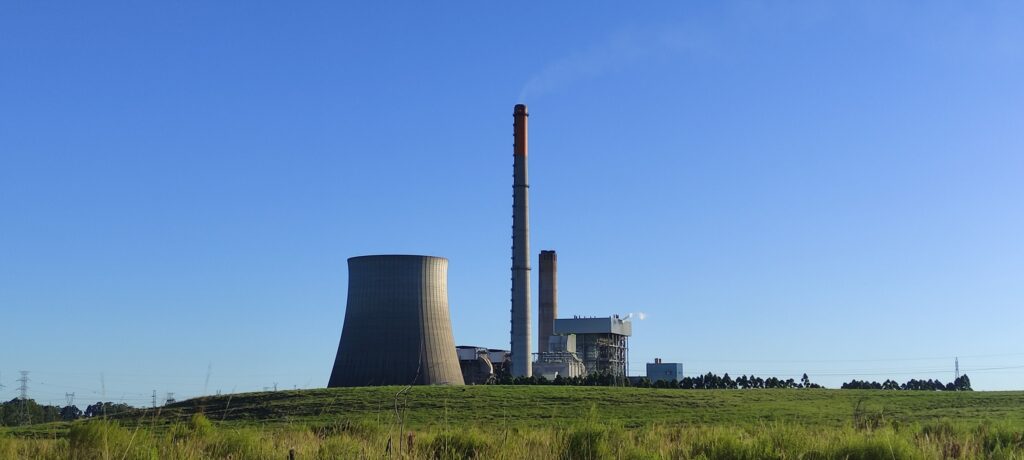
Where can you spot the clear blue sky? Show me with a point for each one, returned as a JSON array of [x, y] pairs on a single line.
[[833, 188]]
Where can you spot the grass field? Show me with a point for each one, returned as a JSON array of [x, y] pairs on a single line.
[[548, 422]]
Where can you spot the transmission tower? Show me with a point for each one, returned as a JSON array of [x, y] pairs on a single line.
[[23, 388], [170, 398], [24, 418], [2, 386], [70, 398], [154, 398], [956, 365]]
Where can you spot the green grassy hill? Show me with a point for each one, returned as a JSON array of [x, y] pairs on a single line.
[[539, 406], [514, 422]]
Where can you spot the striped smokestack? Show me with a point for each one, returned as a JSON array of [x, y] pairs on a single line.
[[521, 356]]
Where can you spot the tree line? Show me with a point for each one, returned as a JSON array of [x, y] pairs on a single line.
[[711, 381], [24, 412], [707, 381], [962, 383]]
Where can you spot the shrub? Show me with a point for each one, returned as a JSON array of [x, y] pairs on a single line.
[[200, 426]]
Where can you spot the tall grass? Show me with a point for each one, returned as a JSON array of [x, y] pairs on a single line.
[[199, 438]]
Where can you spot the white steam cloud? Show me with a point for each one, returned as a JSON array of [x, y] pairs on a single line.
[[628, 48], [639, 316]]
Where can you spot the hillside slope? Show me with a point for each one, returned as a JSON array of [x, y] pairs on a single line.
[[547, 405]]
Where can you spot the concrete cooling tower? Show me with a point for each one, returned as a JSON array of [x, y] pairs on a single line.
[[397, 327]]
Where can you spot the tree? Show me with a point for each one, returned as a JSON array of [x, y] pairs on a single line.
[[102, 409], [962, 383], [70, 413]]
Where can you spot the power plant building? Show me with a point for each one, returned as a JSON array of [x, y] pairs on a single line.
[[602, 343], [482, 365], [664, 371], [397, 328], [560, 359]]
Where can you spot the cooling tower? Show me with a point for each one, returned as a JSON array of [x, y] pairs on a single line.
[[397, 328], [547, 298], [521, 356]]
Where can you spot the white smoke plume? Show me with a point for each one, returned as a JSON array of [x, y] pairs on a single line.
[[639, 316], [625, 49]]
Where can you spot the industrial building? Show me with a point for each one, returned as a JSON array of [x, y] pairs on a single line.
[[602, 343], [664, 371], [482, 365], [556, 353], [397, 328], [560, 359]]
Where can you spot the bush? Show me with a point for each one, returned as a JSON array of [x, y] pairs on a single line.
[[200, 426]]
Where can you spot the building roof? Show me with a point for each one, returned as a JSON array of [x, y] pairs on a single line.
[[606, 325]]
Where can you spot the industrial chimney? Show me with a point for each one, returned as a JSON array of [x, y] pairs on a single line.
[[521, 356], [547, 286]]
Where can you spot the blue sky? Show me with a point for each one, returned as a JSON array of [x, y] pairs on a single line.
[[831, 188]]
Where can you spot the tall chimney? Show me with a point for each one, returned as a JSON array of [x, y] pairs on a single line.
[[547, 286], [522, 359]]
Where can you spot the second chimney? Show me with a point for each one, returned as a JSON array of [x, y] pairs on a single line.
[[548, 287]]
